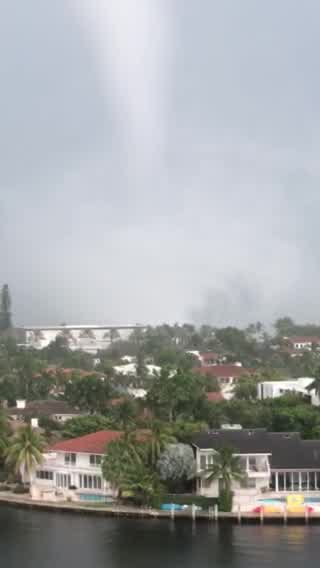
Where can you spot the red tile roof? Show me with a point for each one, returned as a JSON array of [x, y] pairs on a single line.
[[209, 356], [225, 371], [215, 396], [90, 444]]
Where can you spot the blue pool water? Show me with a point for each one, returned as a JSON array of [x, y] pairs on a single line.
[[284, 500], [92, 497]]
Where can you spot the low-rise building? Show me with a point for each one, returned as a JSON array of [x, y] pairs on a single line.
[[58, 410], [227, 375], [274, 389], [302, 343], [71, 469], [274, 462]]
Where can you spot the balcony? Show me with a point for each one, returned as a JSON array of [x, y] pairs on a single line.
[[255, 466]]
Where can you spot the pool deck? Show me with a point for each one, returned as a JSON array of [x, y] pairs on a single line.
[[24, 501]]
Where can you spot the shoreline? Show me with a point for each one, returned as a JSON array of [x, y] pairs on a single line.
[[141, 513]]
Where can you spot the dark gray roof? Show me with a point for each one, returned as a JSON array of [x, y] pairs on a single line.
[[37, 408], [287, 449]]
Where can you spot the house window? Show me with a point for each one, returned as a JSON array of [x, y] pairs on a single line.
[[304, 480], [288, 476], [312, 480], [95, 459], [281, 482], [203, 462], [252, 463], [43, 474], [63, 480], [90, 481], [295, 481], [70, 459]]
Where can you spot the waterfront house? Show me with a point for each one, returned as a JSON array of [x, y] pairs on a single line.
[[272, 462], [71, 469]]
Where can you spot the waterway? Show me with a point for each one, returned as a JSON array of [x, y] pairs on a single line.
[[35, 539]]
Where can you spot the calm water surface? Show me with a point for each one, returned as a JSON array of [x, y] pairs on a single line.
[[49, 540]]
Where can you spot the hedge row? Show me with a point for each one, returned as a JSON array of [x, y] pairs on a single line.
[[190, 499]]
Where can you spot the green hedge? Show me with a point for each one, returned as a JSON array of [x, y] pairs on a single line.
[[190, 499]]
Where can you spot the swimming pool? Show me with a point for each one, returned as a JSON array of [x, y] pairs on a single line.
[[89, 497], [277, 500]]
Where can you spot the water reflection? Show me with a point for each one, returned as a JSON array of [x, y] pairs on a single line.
[[47, 540]]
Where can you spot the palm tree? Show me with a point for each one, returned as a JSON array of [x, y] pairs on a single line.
[[160, 437], [25, 452], [226, 467], [141, 482], [4, 431]]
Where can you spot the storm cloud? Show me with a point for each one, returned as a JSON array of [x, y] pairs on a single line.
[[159, 160]]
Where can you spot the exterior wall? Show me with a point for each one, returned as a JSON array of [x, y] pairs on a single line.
[[274, 389], [55, 464], [256, 471], [63, 417]]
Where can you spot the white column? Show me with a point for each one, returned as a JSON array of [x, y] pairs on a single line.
[[308, 485], [277, 483], [300, 481], [292, 481]]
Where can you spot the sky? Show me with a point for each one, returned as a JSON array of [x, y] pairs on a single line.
[[160, 160]]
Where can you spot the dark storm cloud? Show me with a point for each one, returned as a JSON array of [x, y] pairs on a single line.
[[159, 161]]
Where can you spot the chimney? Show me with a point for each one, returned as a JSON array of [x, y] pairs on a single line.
[[34, 423], [21, 404]]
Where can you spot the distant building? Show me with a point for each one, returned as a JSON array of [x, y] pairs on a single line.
[[227, 375], [88, 338], [57, 410], [301, 343], [207, 359], [274, 389], [130, 369]]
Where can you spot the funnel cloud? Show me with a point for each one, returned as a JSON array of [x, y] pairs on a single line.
[[159, 161]]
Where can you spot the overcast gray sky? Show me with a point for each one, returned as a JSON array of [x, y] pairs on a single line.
[[160, 160]]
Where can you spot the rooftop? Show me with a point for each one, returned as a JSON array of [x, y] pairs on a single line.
[[221, 371], [90, 444], [38, 408], [287, 449]]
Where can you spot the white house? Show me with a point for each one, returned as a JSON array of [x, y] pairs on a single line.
[[274, 389], [71, 469], [274, 462]]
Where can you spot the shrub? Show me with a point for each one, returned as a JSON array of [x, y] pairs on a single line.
[[3, 476], [5, 487]]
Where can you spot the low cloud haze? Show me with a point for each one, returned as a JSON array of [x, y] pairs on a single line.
[[159, 160]]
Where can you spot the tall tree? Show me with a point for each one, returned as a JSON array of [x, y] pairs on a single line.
[[25, 452], [5, 308], [91, 393], [226, 468], [160, 436]]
